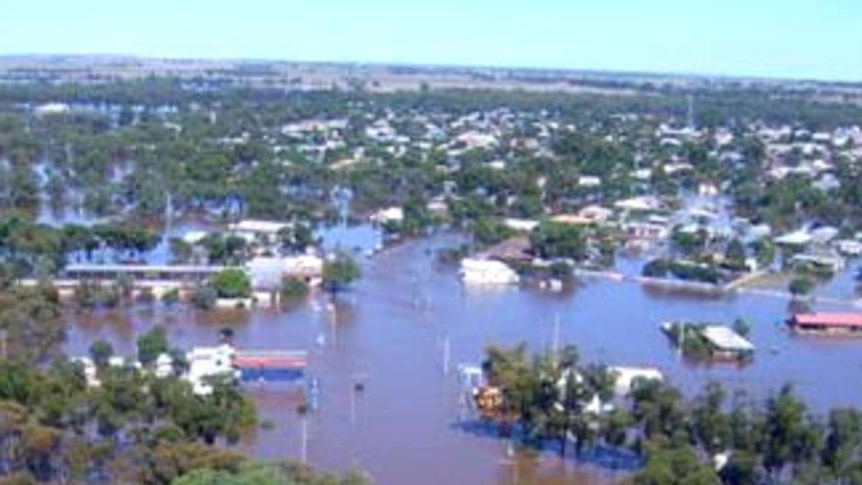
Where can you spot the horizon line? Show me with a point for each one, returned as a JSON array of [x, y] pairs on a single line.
[[614, 73]]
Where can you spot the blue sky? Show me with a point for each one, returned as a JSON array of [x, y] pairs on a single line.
[[788, 38]]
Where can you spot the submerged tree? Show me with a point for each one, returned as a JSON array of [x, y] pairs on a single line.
[[339, 272]]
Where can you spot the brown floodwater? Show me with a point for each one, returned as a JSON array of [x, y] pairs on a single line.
[[389, 333]]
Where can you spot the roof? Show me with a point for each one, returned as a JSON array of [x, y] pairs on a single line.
[[828, 319], [794, 238], [725, 338], [254, 225], [143, 268]]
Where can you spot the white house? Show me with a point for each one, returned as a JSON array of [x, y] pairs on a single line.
[[628, 376], [209, 362], [251, 229], [487, 271], [391, 214]]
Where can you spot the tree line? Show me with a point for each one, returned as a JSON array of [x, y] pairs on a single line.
[[547, 399]]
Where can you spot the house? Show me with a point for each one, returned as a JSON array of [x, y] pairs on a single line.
[[724, 342], [589, 181], [520, 225], [827, 323], [52, 109], [822, 258], [645, 231], [572, 220], [267, 272], [849, 247], [388, 215], [596, 213], [627, 377], [487, 272], [638, 204], [795, 238], [515, 249], [208, 362], [255, 229]]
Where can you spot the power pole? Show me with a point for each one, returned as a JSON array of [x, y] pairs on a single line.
[[446, 356], [304, 453]]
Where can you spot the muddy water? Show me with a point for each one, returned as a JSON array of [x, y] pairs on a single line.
[[389, 333]]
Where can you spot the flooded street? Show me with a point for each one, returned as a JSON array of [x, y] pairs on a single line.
[[390, 331]]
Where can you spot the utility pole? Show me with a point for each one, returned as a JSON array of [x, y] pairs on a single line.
[[556, 347], [304, 453], [511, 461], [446, 356]]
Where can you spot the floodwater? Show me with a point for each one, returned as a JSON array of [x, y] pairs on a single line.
[[390, 331]]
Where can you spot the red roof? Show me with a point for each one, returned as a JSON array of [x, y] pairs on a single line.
[[829, 319], [269, 362]]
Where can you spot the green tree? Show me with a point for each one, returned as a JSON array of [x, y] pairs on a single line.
[[231, 283], [339, 272], [675, 466], [735, 254], [555, 240], [101, 351], [800, 286], [151, 344]]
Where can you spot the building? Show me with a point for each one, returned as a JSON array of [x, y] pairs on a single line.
[[388, 215], [206, 363], [827, 323], [724, 342], [267, 272], [487, 272], [627, 377], [251, 229]]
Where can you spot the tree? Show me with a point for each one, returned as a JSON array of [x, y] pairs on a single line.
[[231, 283], [555, 240], [339, 272], [800, 286], [152, 344], [742, 326], [843, 441], [101, 352], [735, 255], [675, 465]]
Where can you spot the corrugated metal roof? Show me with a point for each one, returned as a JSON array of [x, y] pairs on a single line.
[[829, 319], [725, 338]]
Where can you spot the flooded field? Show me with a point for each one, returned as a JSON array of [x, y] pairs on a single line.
[[389, 333]]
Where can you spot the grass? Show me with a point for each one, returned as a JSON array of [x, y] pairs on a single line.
[[769, 281]]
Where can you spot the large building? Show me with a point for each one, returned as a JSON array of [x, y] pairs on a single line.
[[827, 323]]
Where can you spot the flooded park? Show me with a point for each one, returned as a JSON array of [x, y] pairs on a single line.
[[386, 354]]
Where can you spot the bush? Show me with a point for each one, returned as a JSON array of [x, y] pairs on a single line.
[[171, 296], [89, 294], [561, 270], [800, 286], [293, 288], [231, 283], [657, 268], [204, 297]]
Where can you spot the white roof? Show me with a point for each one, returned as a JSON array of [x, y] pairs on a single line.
[[525, 225], [391, 214], [794, 238], [637, 203], [626, 376], [725, 338], [255, 225], [193, 237]]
